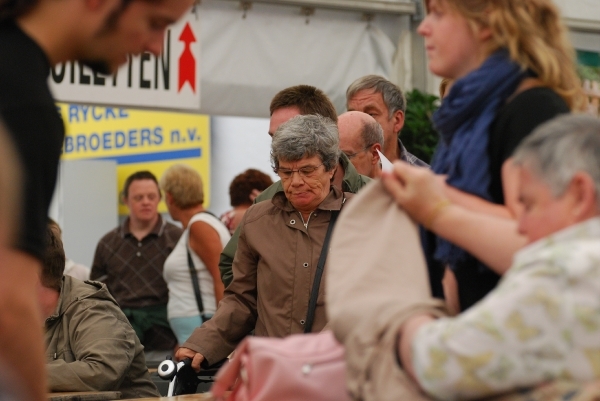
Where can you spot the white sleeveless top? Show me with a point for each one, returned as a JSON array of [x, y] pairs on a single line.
[[182, 301]]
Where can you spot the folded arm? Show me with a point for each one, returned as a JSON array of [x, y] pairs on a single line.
[[512, 339], [103, 347]]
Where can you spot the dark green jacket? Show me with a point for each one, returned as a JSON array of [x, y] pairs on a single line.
[[352, 183]]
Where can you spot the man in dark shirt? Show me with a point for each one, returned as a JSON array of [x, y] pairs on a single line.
[[35, 34], [130, 259]]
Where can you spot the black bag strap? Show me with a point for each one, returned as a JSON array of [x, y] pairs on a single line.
[[211, 213], [196, 285], [312, 303], [194, 275]]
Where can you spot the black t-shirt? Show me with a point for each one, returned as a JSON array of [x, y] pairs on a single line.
[[35, 126], [515, 121]]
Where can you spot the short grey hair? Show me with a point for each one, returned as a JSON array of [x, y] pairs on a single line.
[[372, 133], [306, 136], [392, 95], [560, 148]]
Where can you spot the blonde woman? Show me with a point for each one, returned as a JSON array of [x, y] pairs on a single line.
[[513, 69], [204, 238]]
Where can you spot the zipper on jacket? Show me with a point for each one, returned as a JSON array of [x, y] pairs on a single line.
[[307, 221]]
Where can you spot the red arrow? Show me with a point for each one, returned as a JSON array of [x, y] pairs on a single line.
[[187, 61]]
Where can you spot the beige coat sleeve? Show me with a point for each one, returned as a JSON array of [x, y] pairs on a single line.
[[376, 279]]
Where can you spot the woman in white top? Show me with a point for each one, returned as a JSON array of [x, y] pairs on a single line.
[[204, 237]]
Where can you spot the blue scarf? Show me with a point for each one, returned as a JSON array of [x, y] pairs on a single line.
[[463, 122]]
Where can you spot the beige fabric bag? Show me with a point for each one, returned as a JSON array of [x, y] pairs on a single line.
[[376, 278]]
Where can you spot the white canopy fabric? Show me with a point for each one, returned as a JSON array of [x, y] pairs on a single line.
[[247, 57], [581, 15]]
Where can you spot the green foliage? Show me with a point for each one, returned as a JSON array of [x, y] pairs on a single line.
[[418, 135], [591, 73]]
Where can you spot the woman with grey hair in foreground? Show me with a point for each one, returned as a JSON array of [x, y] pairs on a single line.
[[275, 268], [539, 326]]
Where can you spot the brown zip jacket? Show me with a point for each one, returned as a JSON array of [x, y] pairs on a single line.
[[273, 271]]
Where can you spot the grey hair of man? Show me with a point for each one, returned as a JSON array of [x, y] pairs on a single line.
[[306, 136], [392, 95], [372, 133], [560, 148]]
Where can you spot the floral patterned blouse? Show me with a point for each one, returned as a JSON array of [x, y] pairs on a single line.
[[541, 323]]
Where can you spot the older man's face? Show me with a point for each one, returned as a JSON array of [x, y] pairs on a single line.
[[371, 103], [350, 126], [543, 214]]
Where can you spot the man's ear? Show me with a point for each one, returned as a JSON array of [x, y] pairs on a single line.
[[332, 172], [582, 192], [374, 148], [398, 120]]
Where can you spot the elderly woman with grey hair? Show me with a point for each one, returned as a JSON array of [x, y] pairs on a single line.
[[275, 269]]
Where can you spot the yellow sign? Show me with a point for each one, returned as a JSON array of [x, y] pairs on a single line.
[[137, 140]]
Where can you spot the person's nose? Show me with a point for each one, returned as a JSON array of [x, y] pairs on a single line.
[[423, 28], [155, 43], [296, 179]]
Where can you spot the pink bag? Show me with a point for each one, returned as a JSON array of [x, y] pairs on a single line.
[[301, 367]]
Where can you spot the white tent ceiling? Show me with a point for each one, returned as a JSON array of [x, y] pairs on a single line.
[[581, 15], [248, 55], [385, 6]]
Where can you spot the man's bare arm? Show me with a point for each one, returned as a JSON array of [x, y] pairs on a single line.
[[21, 322]]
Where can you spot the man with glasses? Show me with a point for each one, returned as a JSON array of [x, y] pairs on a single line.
[[34, 35], [361, 139], [385, 102]]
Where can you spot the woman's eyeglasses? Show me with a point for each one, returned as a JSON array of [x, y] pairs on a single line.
[[304, 172]]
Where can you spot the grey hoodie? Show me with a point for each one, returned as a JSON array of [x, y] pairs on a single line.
[[91, 346]]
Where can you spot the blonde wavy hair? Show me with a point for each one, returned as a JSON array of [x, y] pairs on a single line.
[[184, 184], [535, 36]]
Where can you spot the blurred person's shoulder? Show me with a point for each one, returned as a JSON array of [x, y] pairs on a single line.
[[269, 192], [276, 202], [172, 230]]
